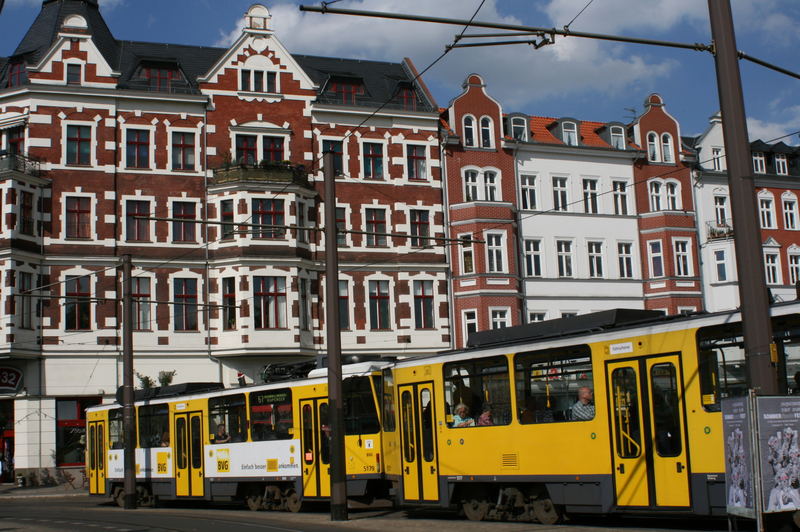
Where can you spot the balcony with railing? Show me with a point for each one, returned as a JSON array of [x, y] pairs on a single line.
[[13, 162], [262, 173], [716, 229]]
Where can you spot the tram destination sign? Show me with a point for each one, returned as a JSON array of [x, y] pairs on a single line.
[[10, 379], [739, 488]]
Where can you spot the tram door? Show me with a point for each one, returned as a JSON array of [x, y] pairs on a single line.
[[418, 443], [189, 454], [649, 432], [316, 447], [97, 457]]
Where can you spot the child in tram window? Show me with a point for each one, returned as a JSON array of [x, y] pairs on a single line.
[[486, 415]]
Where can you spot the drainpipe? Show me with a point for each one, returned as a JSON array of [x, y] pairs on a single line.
[[207, 276], [698, 228], [449, 271]]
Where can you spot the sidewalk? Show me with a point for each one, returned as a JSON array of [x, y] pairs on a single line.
[[11, 491]]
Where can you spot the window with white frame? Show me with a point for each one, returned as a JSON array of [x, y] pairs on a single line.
[[683, 257], [721, 265], [416, 162], [467, 254], [656, 255], [590, 196], [620, 191], [423, 305], [772, 268], [625, 256], [534, 316], [487, 138], [499, 318], [564, 257], [469, 131], [518, 129], [495, 252], [533, 257], [766, 213], [759, 163], [673, 200], [617, 138], [379, 305], [141, 295], [666, 148], [79, 142], [560, 197], [569, 133], [655, 195], [183, 150], [77, 303], [595, 251], [790, 213], [781, 166], [183, 226], [24, 300], [185, 308], [794, 266], [305, 303], [528, 191], [258, 80], [74, 74], [721, 210], [373, 160], [482, 185], [420, 227], [344, 305], [716, 159], [269, 302], [652, 147], [470, 321]]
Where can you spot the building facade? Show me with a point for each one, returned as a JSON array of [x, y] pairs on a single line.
[[205, 166]]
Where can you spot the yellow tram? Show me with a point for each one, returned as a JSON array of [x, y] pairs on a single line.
[[504, 429]]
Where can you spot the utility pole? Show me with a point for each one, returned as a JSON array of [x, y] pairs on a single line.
[[333, 337], [128, 417], [753, 295]]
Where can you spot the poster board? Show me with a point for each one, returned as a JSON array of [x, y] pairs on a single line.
[[739, 464]]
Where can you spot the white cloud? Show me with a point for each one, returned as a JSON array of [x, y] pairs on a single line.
[[774, 131]]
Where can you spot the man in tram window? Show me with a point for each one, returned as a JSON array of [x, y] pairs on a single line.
[[583, 409], [222, 435]]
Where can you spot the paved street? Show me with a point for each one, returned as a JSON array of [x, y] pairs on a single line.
[[56, 509]]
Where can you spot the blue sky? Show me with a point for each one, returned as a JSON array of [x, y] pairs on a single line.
[[584, 79]]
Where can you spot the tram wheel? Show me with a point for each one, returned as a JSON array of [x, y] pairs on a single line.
[[546, 512], [143, 496], [293, 502], [255, 501], [119, 497], [475, 510]]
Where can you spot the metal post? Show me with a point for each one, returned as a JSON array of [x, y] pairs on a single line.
[[753, 296], [128, 417], [335, 407]]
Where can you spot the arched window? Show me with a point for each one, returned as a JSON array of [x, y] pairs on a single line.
[[652, 147], [518, 129], [486, 132], [655, 196], [672, 190], [569, 133], [469, 131], [617, 138], [666, 148]]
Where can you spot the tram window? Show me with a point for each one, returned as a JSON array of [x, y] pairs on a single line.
[[625, 412], [407, 404], [180, 441], [427, 425], [308, 435], [115, 432], [100, 450], [153, 425], [483, 387], [92, 449], [666, 413], [325, 435], [548, 383], [197, 447], [360, 414], [389, 424], [271, 415], [228, 410], [721, 364]]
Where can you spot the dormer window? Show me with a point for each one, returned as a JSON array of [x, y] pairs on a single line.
[[666, 148], [17, 74], [617, 138], [346, 91], [161, 78], [74, 74], [569, 133], [652, 147], [759, 163], [486, 132], [258, 81], [407, 98], [518, 129], [781, 167]]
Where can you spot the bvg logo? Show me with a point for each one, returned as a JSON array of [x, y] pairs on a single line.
[[223, 461]]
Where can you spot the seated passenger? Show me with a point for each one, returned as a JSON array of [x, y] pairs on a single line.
[[486, 415], [221, 436], [461, 417], [165, 439], [583, 409]]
